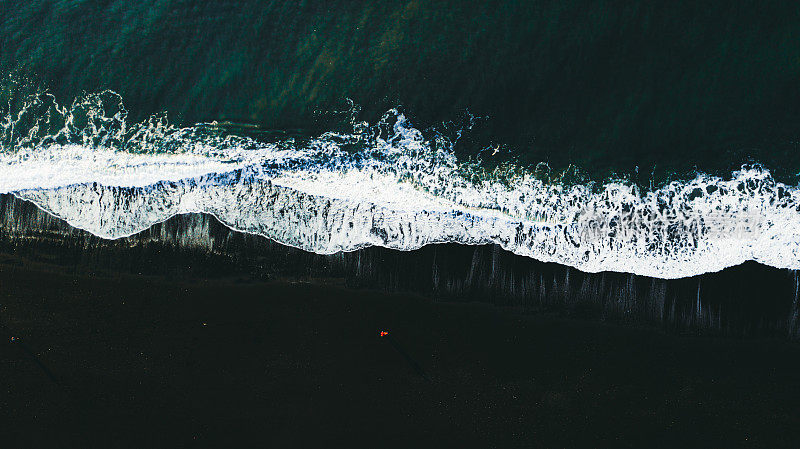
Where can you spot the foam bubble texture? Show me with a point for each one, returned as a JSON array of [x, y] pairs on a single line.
[[389, 186]]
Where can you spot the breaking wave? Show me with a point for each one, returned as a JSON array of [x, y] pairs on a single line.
[[387, 184]]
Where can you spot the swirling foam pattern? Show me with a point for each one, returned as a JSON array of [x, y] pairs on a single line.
[[384, 185]]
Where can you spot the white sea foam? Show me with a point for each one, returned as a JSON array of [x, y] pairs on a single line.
[[401, 191]]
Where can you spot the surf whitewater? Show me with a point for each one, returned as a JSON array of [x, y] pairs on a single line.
[[385, 184]]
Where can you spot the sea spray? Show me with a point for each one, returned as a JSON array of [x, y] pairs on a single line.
[[387, 185]]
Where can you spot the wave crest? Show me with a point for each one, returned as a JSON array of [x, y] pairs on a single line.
[[387, 185]]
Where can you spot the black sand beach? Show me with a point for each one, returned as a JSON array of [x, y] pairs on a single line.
[[363, 224], [156, 361]]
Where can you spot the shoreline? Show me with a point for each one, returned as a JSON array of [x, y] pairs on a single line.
[[747, 300]]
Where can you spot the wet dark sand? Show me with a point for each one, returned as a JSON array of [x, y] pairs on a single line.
[[146, 361]]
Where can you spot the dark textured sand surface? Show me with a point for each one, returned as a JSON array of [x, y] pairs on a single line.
[[146, 361]]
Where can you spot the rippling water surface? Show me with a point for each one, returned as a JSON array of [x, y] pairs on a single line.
[[645, 138]]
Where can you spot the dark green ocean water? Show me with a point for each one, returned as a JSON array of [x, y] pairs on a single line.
[[609, 86]]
